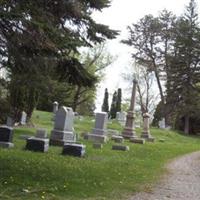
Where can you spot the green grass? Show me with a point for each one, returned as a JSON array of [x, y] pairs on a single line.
[[101, 174]]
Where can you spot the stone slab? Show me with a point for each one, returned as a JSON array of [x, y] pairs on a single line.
[[6, 144], [77, 150], [120, 147], [37, 144], [96, 138], [117, 138], [137, 140]]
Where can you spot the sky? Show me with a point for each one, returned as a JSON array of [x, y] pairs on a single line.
[[119, 15]]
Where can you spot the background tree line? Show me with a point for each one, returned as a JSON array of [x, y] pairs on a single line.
[[169, 46]]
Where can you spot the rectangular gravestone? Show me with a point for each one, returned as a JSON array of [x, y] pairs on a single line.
[[77, 150], [6, 136], [101, 120], [9, 122], [117, 138], [99, 132], [63, 131], [37, 144], [23, 118], [137, 140]]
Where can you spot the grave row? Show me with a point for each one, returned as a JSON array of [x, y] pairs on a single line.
[[63, 134]]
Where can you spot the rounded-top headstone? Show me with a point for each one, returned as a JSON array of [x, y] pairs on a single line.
[[64, 119]]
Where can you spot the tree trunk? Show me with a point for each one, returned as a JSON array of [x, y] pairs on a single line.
[[76, 98], [187, 124]]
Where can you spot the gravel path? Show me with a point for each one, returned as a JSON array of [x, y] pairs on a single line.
[[181, 183]]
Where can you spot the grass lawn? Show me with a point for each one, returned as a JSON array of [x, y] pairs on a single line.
[[101, 174]]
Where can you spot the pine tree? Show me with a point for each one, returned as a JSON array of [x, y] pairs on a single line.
[[113, 108], [105, 106], [182, 91], [119, 100]]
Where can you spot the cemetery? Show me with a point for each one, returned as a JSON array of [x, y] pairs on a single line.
[[80, 120]]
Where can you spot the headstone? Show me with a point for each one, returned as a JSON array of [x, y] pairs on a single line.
[[111, 132], [121, 116], [55, 109], [23, 118], [161, 123], [120, 147], [77, 150], [129, 129], [9, 122], [99, 132], [146, 132], [63, 127], [101, 120], [6, 137], [117, 138], [41, 133], [137, 140], [97, 146], [96, 138], [37, 144]]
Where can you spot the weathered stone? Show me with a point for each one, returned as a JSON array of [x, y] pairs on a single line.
[[137, 140], [146, 132], [9, 122], [6, 134], [120, 147], [37, 144], [161, 123], [63, 127], [101, 120], [117, 138], [6, 144], [23, 118], [121, 116], [96, 138], [129, 129], [97, 146], [77, 150]]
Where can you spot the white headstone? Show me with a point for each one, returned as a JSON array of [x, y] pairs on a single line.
[[23, 118], [161, 123], [63, 127], [101, 120], [64, 119]]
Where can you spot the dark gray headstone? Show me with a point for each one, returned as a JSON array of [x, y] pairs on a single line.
[[77, 150], [6, 134], [37, 144]]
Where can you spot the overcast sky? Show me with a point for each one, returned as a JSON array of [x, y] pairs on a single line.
[[121, 14]]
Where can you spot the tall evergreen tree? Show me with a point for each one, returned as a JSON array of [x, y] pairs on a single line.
[[40, 39], [182, 91], [105, 105], [119, 100], [113, 107]]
